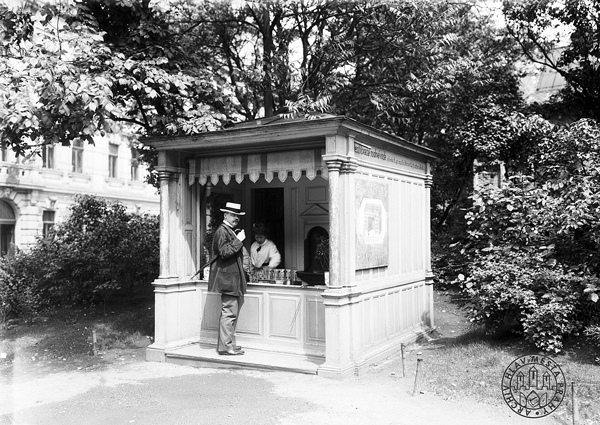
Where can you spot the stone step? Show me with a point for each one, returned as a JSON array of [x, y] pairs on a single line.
[[206, 356]]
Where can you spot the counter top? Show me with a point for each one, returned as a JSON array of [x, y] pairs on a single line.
[[268, 284]]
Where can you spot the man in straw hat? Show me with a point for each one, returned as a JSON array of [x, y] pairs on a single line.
[[227, 277]]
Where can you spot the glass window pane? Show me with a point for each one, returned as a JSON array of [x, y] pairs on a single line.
[[113, 152], [77, 157], [48, 216]]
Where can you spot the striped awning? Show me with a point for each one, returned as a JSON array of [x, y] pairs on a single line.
[[282, 165]]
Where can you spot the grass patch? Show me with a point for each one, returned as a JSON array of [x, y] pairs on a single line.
[[472, 367], [65, 336], [470, 364]]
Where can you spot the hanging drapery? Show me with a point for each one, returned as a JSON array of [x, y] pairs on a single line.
[[294, 164]]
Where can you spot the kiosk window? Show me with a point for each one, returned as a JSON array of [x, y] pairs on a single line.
[[268, 208]]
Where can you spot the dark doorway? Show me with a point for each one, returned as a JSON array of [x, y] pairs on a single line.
[[267, 208]]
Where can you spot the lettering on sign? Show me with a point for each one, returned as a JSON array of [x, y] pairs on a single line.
[[362, 149]]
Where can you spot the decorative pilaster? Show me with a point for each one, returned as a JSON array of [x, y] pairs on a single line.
[[348, 225], [427, 230], [333, 168], [165, 178], [427, 248]]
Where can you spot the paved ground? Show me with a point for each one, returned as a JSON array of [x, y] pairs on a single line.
[[132, 391]]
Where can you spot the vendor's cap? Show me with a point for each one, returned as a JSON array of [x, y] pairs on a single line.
[[259, 229], [233, 208]]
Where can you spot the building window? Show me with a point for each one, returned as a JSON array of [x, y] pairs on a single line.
[[48, 220], [4, 152], [135, 164], [7, 229], [77, 156], [48, 156], [113, 156]]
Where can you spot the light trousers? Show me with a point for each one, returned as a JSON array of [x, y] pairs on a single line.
[[230, 310]]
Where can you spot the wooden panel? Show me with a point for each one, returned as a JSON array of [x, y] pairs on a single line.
[[407, 240], [421, 226], [367, 322], [187, 199], [284, 316], [316, 194], [315, 312], [394, 312], [275, 318], [250, 318], [188, 259], [380, 330], [407, 307], [212, 311], [420, 303]]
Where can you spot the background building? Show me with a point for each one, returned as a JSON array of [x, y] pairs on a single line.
[[36, 191]]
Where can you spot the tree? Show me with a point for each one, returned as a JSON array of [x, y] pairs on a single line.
[[419, 69], [434, 73], [438, 74], [65, 75], [269, 53], [562, 36]]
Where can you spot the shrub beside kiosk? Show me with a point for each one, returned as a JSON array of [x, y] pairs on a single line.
[[329, 179]]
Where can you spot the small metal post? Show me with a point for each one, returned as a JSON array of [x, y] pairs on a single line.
[[94, 340], [417, 377], [403, 364], [574, 403]]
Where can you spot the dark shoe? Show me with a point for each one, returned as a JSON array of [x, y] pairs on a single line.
[[238, 348], [231, 353]]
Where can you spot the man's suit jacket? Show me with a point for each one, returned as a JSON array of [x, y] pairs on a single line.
[[227, 272]]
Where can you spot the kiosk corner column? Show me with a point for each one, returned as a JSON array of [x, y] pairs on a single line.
[[333, 166]]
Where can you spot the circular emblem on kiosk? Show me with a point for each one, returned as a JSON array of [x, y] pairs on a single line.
[[533, 386]]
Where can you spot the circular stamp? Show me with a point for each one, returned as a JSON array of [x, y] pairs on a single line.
[[533, 386]]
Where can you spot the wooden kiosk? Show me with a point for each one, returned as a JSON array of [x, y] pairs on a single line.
[[368, 189]]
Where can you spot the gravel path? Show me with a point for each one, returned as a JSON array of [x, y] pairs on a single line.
[[132, 391]]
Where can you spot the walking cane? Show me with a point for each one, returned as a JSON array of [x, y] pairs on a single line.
[[212, 260], [203, 266]]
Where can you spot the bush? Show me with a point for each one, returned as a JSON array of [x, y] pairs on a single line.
[[98, 251], [509, 292], [533, 247], [18, 276]]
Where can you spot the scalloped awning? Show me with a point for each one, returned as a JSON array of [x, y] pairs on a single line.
[[294, 164]]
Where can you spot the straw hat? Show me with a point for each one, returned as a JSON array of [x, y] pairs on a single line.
[[233, 208]]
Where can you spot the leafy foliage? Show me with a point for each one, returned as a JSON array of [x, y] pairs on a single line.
[[71, 70], [434, 73], [532, 248], [100, 250], [512, 292], [562, 36]]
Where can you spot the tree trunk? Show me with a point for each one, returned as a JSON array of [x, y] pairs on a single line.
[[267, 65]]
